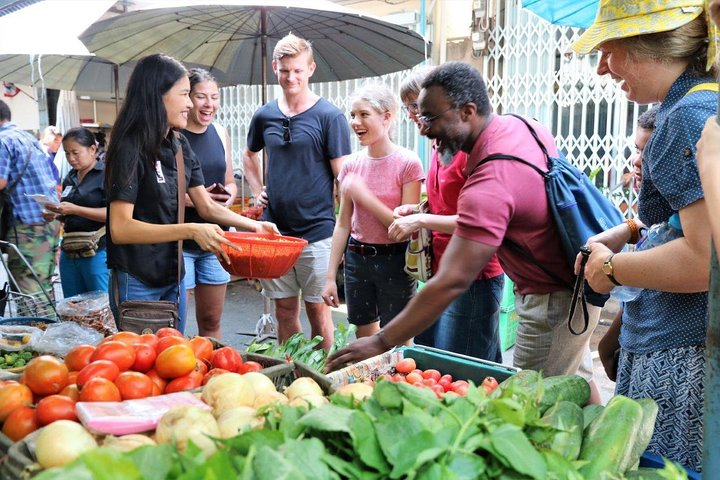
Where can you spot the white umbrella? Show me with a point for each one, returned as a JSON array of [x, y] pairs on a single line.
[[234, 39]]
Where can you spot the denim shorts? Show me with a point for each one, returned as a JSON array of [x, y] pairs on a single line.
[[307, 275], [204, 268], [376, 287]]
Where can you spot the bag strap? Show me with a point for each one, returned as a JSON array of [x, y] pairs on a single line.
[[707, 86], [578, 293], [180, 166]]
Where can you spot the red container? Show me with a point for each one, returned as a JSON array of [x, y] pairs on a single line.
[[261, 255]]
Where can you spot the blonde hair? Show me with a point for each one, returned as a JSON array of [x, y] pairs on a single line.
[[412, 84], [380, 98], [688, 42], [50, 134], [292, 46]]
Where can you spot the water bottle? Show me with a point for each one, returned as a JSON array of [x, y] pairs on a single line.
[[658, 234]]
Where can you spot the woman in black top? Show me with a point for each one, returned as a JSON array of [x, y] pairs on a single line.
[[82, 208], [142, 188]]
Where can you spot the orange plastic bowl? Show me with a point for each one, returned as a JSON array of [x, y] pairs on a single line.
[[261, 255]]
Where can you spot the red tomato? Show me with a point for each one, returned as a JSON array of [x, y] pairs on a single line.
[[398, 377], [386, 377], [100, 389], [72, 378], [128, 338], [460, 387], [134, 385], [438, 390], [121, 354], [156, 390], [78, 357], [186, 382], [227, 358], [432, 373], [251, 366], [168, 332], [55, 407], [149, 339], [413, 378], [169, 341], [447, 378], [145, 356], [406, 365], [19, 423], [98, 368], [157, 379], [489, 384], [429, 382], [202, 347], [201, 366], [12, 397], [46, 375], [71, 390], [212, 373], [446, 384], [175, 361]]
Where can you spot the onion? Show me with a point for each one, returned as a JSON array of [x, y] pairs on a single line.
[[261, 384], [359, 391], [188, 422], [303, 387], [237, 420], [62, 442], [127, 443], [309, 401], [269, 398]]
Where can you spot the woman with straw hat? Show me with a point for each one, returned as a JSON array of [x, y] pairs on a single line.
[[658, 51]]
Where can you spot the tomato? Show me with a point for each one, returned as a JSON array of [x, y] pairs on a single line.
[[78, 357], [446, 384], [98, 368], [212, 373], [413, 378], [406, 365], [202, 347], [166, 342], [168, 332], [19, 423], [385, 377], [186, 382], [175, 361], [157, 379], [55, 407], [46, 375], [460, 387], [71, 390], [429, 382], [119, 353], [431, 373], [201, 366], [100, 389], [156, 390], [12, 397], [128, 338], [489, 384], [398, 377], [446, 378], [145, 356], [134, 385], [149, 339], [438, 390], [72, 378], [227, 358], [252, 366]]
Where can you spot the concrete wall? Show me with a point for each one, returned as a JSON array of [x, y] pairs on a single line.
[[24, 108]]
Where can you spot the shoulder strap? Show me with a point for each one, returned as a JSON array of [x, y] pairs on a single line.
[[708, 86], [180, 166]]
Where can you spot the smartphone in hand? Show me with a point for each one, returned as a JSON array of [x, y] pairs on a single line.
[[219, 189]]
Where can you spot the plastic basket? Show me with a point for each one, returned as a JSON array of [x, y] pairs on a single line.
[[461, 367], [262, 255], [509, 318]]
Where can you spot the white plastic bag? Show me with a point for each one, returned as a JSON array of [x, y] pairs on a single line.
[[60, 337]]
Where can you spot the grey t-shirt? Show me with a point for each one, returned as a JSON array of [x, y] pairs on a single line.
[[299, 177]]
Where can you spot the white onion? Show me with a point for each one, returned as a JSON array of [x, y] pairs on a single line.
[[62, 442]]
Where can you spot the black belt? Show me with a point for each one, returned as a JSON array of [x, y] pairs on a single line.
[[374, 249]]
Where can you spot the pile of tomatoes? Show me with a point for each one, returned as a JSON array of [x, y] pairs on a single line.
[[406, 371], [123, 366]]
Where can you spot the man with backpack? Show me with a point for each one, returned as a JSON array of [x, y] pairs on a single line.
[[502, 206]]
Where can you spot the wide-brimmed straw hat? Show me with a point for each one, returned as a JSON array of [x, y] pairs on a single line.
[[627, 18]]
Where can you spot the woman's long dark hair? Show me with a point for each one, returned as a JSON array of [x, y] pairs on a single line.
[[142, 121]]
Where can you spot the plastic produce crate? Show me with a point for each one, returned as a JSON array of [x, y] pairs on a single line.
[[461, 367], [652, 460], [509, 318]]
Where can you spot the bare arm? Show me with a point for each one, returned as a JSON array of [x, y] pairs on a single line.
[[708, 158], [339, 242], [214, 212], [67, 208], [402, 227]]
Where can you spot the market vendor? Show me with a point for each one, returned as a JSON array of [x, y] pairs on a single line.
[[500, 201]]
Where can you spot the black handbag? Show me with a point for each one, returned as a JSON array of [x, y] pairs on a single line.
[[149, 316]]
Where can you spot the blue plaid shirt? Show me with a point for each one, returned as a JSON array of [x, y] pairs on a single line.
[[17, 147]]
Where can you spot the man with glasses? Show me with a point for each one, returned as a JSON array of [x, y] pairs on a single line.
[[501, 201], [305, 138]]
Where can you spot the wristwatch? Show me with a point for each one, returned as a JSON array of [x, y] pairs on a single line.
[[607, 269]]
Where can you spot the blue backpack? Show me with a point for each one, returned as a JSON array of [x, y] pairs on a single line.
[[578, 208]]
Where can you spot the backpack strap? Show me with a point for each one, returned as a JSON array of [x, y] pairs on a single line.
[[707, 86]]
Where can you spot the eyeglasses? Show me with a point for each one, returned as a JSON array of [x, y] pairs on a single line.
[[426, 121], [286, 131], [411, 108]]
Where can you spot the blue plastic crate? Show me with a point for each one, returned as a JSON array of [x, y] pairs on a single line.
[[652, 460], [461, 367]]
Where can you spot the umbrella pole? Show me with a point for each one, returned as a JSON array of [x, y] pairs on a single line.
[[116, 78], [263, 74]]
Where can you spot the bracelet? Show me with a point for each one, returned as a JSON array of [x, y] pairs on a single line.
[[634, 231], [381, 336]]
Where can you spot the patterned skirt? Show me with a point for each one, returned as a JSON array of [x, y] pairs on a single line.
[[674, 379]]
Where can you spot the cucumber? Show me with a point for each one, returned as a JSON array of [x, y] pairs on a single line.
[[572, 388], [567, 419], [590, 413], [647, 427], [609, 441]]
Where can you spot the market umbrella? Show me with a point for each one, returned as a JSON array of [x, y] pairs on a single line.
[[573, 13], [234, 39]]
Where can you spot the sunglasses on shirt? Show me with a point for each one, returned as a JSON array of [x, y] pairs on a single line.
[[286, 131]]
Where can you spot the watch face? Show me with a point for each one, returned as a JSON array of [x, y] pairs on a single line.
[[607, 268]]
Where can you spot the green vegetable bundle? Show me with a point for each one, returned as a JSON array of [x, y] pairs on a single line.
[[17, 359], [299, 349], [405, 432]]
